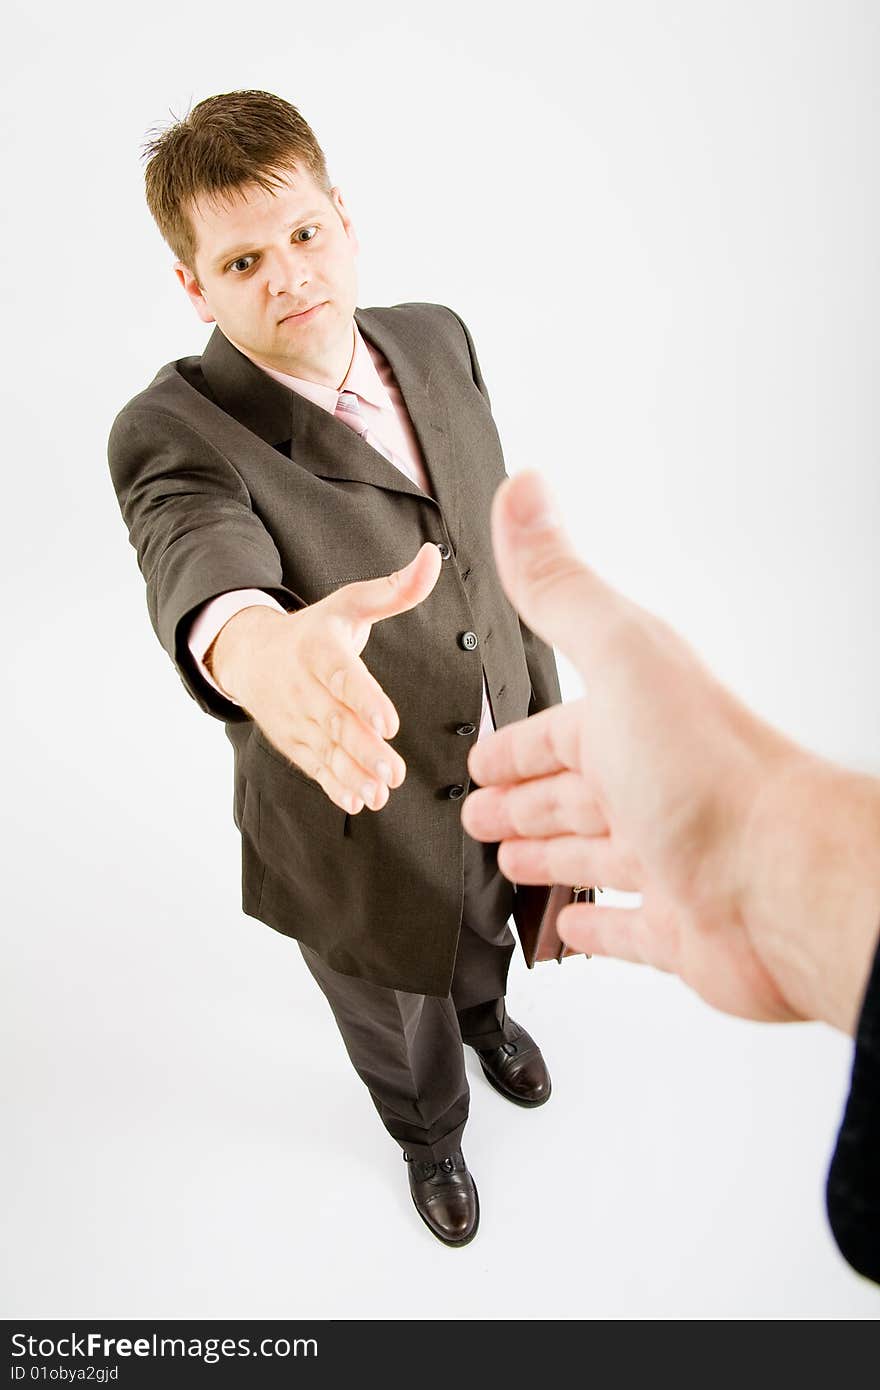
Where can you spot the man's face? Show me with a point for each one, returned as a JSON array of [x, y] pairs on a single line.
[[276, 272]]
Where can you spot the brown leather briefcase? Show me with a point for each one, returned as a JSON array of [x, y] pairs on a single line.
[[535, 913]]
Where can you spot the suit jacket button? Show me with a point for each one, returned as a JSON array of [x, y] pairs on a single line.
[[466, 729], [469, 640], [456, 793], [445, 552]]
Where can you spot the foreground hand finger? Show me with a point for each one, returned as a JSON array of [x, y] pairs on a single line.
[[546, 743], [558, 804], [572, 859], [624, 933]]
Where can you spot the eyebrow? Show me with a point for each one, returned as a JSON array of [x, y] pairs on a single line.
[[244, 250]]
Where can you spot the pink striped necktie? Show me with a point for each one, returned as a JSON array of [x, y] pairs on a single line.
[[349, 412]]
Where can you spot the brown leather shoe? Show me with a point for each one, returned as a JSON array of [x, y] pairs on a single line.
[[516, 1068], [445, 1197]]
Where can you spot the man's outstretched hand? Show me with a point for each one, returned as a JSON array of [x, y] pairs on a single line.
[[301, 678]]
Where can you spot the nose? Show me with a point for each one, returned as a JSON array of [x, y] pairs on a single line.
[[288, 271]]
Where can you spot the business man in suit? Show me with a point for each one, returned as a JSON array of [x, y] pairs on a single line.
[[309, 500]]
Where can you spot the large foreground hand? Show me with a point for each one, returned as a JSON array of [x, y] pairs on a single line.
[[758, 863]]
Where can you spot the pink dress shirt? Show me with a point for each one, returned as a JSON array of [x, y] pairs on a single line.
[[386, 417]]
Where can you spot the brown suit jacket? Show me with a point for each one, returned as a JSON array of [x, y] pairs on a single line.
[[226, 479]]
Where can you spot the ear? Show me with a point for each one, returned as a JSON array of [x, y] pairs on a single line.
[[339, 204], [194, 291]]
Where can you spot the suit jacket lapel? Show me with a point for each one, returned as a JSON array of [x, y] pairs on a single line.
[[410, 359], [323, 444], [249, 395]]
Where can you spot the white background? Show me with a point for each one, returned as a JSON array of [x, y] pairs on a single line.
[[661, 223]]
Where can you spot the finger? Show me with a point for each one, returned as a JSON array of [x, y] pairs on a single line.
[[355, 754], [335, 723], [624, 933], [571, 859], [352, 685], [307, 761], [557, 595], [378, 759], [535, 747], [371, 600], [540, 809], [348, 772]]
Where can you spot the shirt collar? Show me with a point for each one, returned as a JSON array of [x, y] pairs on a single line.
[[361, 378]]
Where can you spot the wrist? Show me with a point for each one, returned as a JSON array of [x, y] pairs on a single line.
[[230, 658], [810, 884]]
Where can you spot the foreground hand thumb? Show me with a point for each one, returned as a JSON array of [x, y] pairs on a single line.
[[554, 592]]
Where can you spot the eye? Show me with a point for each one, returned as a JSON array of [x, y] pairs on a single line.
[[306, 233], [239, 261]]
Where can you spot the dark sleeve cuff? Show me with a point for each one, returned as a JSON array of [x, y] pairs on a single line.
[[852, 1191]]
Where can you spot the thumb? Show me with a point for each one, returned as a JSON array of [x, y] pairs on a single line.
[[369, 600], [559, 597]]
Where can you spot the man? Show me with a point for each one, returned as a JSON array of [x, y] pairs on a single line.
[[758, 863], [276, 490]]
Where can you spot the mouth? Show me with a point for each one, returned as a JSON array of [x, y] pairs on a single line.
[[304, 315]]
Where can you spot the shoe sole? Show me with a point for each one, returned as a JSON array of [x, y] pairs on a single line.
[[463, 1240], [508, 1095]]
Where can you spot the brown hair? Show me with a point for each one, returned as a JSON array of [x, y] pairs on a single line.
[[223, 143]]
